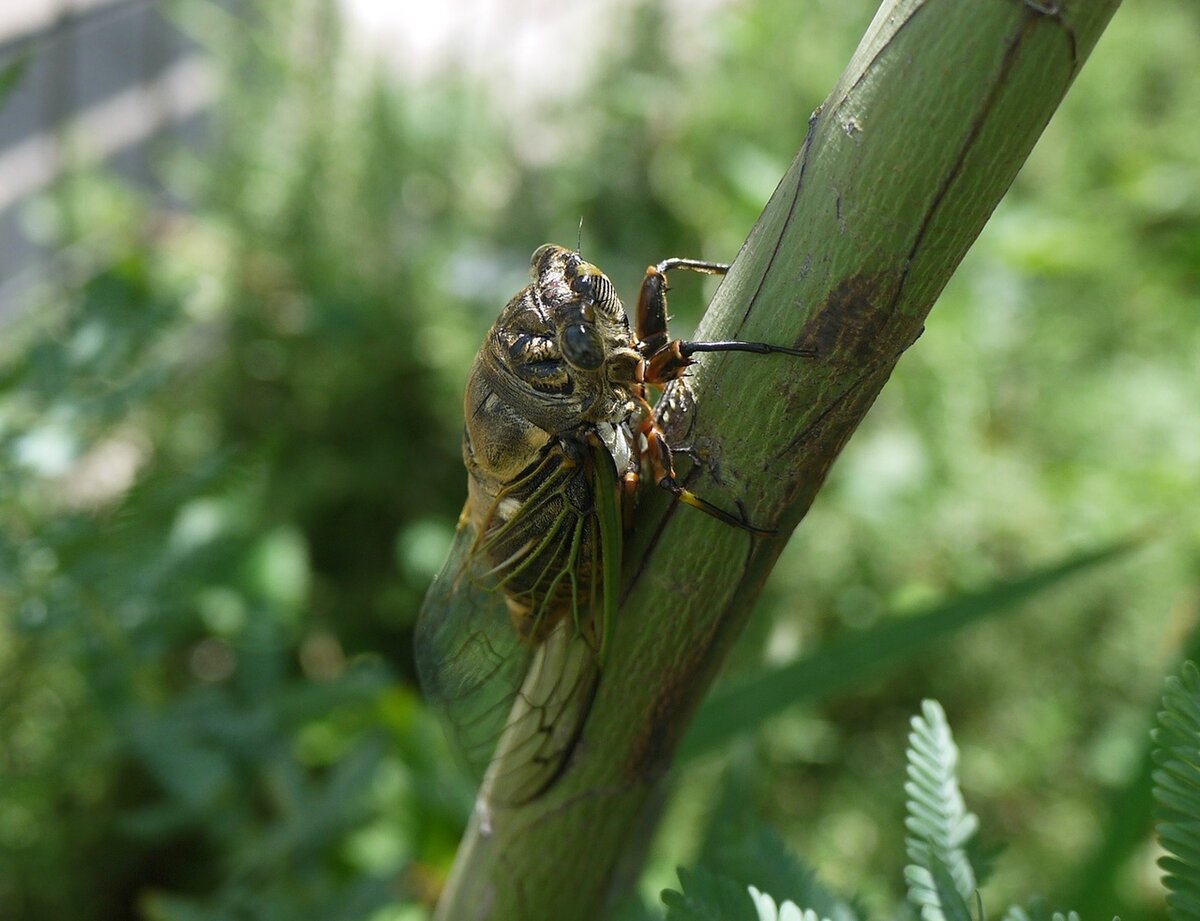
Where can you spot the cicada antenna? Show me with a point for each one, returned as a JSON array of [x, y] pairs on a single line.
[[579, 235]]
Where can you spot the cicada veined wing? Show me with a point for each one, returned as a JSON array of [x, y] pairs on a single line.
[[513, 630]]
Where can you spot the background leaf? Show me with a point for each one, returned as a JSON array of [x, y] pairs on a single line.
[[1177, 790], [941, 880], [705, 896], [846, 661]]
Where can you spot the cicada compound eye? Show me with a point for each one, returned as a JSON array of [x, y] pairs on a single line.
[[583, 282], [581, 346]]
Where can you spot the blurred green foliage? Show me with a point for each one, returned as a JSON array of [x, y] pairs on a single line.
[[229, 443]]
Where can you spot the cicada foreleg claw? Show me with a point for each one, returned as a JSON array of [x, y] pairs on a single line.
[[661, 459]]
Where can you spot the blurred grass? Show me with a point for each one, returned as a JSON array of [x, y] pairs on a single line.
[[849, 660], [229, 443]]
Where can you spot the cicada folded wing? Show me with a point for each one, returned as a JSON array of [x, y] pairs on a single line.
[[546, 718], [512, 679], [469, 658]]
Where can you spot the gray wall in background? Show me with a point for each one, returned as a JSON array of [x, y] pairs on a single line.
[[118, 76]]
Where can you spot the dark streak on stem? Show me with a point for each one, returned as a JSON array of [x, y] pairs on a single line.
[[644, 557], [813, 121], [799, 438], [1006, 65], [650, 752], [866, 70], [728, 616], [1055, 11]]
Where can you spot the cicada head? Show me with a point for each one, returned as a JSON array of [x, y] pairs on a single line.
[[560, 353]]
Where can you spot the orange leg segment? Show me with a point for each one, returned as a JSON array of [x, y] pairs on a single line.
[[664, 360], [658, 453]]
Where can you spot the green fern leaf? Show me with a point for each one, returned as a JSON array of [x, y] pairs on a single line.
[[934, 893], [1177, 790], [941, 880], [788, 911]]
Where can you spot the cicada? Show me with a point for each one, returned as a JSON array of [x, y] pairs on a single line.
[[559, 429]]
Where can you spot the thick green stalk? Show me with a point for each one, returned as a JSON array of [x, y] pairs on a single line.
[[901, 167]]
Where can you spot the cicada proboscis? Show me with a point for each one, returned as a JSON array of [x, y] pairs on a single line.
[[559, 429]]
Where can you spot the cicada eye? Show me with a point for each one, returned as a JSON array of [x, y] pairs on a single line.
[[583, 284], [581, 346]]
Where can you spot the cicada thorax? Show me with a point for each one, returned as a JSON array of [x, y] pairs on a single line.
[[537, 534]]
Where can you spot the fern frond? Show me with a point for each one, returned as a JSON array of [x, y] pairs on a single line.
[[1177, 790], [941, 880], [788, 911]]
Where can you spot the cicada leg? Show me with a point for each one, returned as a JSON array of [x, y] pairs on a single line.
[[652, 316], [629, 486], [658, 453], [665, 360]]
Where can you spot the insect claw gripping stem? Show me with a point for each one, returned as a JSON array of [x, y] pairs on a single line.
[[688, 451], [659, 454], [666, 359], [690, 498], [761, 532]]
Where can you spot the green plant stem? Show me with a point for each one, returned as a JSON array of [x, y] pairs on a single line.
[[900, 169]]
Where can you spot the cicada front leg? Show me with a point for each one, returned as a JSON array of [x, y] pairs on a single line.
[[665, 360]]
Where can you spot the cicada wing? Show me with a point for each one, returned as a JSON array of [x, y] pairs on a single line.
[[546, 719], [556, 696], [469, 659], [518, 704]]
